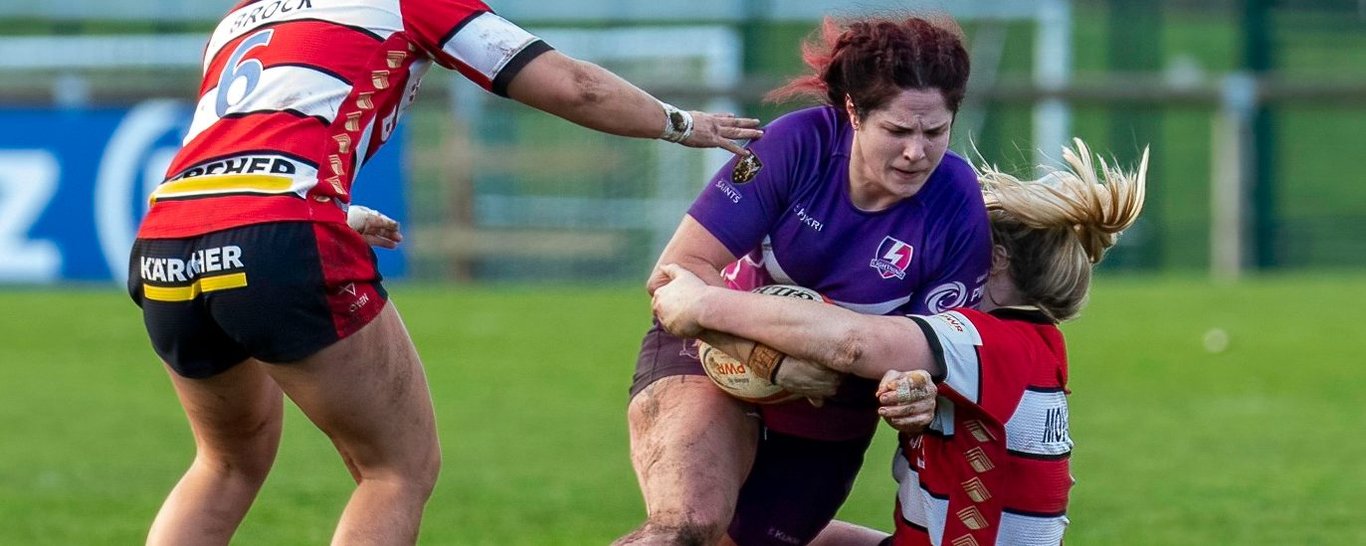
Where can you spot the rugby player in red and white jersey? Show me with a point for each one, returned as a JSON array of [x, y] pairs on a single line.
[[253, 286], [992, 468]]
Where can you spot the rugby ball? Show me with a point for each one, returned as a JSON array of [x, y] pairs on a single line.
[[790, 291], [737, 379]]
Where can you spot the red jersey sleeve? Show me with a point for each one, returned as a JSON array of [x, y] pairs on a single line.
[[976, 351], [467, 36]]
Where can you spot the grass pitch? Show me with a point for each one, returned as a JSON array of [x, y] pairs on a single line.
[[1260, 443]]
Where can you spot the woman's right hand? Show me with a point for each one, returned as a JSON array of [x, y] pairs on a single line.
[[677, 304]]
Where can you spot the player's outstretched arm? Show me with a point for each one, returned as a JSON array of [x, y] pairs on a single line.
[[593, 97], [845, 341]]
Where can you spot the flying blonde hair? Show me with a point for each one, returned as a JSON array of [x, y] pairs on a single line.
[[1056, 228]]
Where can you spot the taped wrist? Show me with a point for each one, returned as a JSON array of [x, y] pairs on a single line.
[[677, 124], [356, 216], [764, 360]]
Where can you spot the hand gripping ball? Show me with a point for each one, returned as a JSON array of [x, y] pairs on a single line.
[[739, 379]]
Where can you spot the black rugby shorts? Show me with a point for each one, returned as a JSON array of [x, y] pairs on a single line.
[[277, 292]]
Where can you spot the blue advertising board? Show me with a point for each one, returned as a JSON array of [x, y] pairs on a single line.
[[74, 186]]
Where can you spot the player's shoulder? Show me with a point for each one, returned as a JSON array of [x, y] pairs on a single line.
[[957, 167], [974, 322], [821, 115], [1025, 325], [441, 14], [801, 141], [815, 125], [959, 176], [954, 186], [956, 326]]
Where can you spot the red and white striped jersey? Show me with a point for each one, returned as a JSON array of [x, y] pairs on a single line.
[[298, 94], [993, 466]]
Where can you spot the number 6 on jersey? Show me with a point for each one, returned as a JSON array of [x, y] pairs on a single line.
[[236, 69]]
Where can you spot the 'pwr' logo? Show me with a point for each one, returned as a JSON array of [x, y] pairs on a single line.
[[893, 257]]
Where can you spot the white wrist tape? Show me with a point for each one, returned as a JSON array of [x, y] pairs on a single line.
[[356, 216], [677, 124]]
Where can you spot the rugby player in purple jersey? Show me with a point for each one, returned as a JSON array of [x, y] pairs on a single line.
[[858, 199]]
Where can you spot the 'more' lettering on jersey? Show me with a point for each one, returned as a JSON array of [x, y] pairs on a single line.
[[1039, 426], [321, 84]]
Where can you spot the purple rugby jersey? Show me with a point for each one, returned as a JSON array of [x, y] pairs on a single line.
[[786, 213]]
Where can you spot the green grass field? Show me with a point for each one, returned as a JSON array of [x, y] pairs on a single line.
[[1259, 444]]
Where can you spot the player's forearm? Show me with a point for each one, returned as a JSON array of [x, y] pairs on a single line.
[[588, 95], [735, 346], [842, 340], [799, 328], [705, 269], [611, 104]]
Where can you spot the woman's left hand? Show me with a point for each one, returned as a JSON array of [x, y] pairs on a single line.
[[676, 304], [376, 228], [907, 400]]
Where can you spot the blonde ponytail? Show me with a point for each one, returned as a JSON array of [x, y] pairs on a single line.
[[1055, 228]]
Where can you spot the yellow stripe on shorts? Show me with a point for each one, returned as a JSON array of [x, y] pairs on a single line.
[[223, 183], [194, 289]]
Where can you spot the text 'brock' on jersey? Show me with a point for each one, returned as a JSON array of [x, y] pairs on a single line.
[[266, 10]]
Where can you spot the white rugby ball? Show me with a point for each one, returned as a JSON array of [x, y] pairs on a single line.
[[733, 376], [790, 291], [737, 379]]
